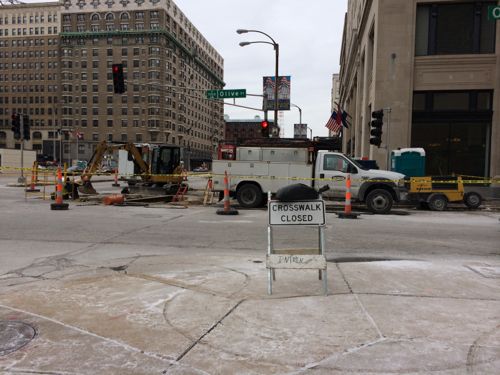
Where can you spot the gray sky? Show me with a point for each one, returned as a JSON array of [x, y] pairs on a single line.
[[309, 34]]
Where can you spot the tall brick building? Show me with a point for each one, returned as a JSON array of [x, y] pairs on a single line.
[[168, 65]]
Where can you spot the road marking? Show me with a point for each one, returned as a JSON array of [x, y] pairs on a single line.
[[225, 222]]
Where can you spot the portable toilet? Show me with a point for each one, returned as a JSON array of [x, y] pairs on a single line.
[[409, 161]]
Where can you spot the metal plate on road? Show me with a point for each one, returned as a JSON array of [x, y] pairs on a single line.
[[297, 213], [289, 261]]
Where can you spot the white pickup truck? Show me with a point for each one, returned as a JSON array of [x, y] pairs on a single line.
[[257, 170]]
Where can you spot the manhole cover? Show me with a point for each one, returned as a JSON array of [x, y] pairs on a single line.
[[14, 335]]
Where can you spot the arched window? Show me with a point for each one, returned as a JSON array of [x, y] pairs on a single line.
[[124, 16], [95, 17], [37, 135], [110, 17]]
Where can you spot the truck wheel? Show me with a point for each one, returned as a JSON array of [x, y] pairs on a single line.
[[379, 201], [249, 196], [472, 200], [438, 202]]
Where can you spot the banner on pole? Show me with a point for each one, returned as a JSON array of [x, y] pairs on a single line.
[[284, 85]]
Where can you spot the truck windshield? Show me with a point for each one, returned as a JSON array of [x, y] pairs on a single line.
[[356, 163]]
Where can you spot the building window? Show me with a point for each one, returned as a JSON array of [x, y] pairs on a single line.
[[138, 137], [454, 129], [460, 28]]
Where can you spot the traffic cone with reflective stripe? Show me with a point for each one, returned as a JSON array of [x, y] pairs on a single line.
[[59, 205], [32, 188], [347, 214], [116, 184], [227, 210]]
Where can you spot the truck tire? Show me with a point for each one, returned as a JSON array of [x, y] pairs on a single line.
[[438, 202], [249, 196], [379, 201], [472, 200]]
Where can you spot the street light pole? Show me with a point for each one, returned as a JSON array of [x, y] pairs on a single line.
[[300, 117], [300, 111], [276, 83], [276, 71]]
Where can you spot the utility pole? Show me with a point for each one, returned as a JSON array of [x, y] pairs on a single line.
[[22, 179]]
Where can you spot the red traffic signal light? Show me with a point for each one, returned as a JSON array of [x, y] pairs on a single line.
[[264, 129], [118, 79]]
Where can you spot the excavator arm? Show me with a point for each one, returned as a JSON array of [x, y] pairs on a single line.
[[95, 162]]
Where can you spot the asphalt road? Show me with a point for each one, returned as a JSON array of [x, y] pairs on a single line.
[[164, 289]]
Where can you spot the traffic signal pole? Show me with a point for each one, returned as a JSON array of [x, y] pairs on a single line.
[[22, 179], [387, 143]]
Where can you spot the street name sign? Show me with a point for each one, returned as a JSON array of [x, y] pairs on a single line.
[[297, 213], [226, 94], [494, 12]]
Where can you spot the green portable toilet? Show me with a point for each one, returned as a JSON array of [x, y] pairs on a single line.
[[408, 161]]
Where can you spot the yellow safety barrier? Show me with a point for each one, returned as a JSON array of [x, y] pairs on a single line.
[[473, 180]]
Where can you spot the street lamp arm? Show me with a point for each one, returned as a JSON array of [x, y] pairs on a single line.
[[257, 31], [243, 44]]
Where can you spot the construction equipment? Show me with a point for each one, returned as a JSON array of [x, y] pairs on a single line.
[[208, 196], [436, 192], [154, 166]]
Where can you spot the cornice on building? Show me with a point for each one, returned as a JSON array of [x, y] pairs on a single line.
[[93, 6]]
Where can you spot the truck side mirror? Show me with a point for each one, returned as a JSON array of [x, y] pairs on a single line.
[[352, 169]]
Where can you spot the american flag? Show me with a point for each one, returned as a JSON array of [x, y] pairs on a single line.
[[333, 124]]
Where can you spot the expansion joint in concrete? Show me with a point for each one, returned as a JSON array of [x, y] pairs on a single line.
[[209, 330]]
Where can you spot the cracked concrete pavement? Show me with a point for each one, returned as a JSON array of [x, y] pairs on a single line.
[[134, 290]]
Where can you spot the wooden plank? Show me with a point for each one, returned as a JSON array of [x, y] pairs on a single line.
[[297, 251], [296, 261]]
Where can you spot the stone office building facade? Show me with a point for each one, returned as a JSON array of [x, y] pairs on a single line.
[[435, 65], [168, 66]]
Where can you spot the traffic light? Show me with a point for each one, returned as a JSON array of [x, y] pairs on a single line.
[[376, 127], [16, 125], [118, 80], [264, 129], [26, 128]]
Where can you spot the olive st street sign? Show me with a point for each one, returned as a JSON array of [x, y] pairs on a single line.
[[226, 94], [494, 12]]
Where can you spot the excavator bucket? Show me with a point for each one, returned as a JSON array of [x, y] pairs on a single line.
[[87, 188]]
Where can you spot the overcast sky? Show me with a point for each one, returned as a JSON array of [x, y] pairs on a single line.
[[309, 34]]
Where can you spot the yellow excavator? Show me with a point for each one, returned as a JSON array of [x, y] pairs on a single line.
[[154, 165]]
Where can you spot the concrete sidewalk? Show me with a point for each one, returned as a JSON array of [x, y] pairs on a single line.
[[181, 314]]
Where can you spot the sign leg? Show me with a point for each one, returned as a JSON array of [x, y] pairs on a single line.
[[270, 281]]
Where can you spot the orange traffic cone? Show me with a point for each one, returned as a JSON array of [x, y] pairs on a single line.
[[32, 188], [116, 184], [227, 210], [59, 205], [347, 214]]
